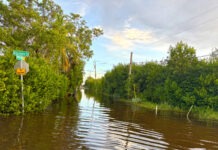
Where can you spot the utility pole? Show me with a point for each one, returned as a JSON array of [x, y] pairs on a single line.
[[130, 72], [95, 68], [130, 64]]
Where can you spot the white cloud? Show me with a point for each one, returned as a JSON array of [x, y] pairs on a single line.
[[168, 22], [152, 25], [127, 23], [128, 38], [138, 36], [83, 8]]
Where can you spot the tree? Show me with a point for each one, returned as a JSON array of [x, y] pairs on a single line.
[[214, 56], [59, 45], [181, 58]]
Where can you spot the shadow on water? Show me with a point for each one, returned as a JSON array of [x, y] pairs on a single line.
[[48, 130], [103, 123]]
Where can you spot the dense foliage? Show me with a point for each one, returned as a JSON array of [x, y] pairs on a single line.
[[181, 80], [58, 45]]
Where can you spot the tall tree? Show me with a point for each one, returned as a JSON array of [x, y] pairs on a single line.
[[59, 45], [181, 57]]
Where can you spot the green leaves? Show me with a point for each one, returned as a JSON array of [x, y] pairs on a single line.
[[43, 84], [58, 45], [181, 58], [182, 82], [9, 87]]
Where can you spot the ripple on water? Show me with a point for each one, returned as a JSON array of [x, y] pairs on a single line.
[[97, 130]]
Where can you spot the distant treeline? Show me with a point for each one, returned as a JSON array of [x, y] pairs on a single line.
[[58, 45], [181, 80]]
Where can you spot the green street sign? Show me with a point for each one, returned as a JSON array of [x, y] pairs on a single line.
[[20, 53]]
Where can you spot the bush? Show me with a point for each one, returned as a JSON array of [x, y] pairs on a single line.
[[42, 84]]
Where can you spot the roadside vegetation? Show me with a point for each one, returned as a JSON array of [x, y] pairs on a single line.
[[58, 44], [180, 81]]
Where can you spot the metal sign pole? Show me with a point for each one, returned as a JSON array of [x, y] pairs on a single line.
[[21, 78], [21, 68]]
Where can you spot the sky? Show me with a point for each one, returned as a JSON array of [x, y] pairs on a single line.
[[145, 27]]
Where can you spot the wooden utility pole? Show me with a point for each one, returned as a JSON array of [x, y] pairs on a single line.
[[130, 72], [130, 64]]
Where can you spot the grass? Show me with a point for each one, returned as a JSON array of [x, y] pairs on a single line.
[[198, 113], [205, 114], [164, 106]]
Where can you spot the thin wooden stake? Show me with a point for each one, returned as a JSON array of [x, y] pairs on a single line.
[[189, 112], [156, 110]]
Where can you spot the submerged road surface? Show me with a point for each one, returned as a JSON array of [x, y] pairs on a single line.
[[97, 124]]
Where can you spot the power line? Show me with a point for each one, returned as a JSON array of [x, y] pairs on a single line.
[[198, 15], [189, 28]]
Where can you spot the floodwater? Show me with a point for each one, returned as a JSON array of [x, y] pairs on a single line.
[[105, 124]]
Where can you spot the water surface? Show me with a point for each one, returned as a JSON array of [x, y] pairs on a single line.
[[104, 124]]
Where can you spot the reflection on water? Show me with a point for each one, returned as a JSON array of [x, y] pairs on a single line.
[[97, 129], [91, 124]]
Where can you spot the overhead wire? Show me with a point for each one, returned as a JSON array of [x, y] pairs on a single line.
[[180, 32], [189, 28]]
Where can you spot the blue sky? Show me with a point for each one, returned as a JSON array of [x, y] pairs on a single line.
[[145, 27]]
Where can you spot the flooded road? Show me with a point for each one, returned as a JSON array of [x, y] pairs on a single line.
[[104, 124]]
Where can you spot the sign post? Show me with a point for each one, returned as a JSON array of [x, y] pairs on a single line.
[[22, 96], [21, 68]]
